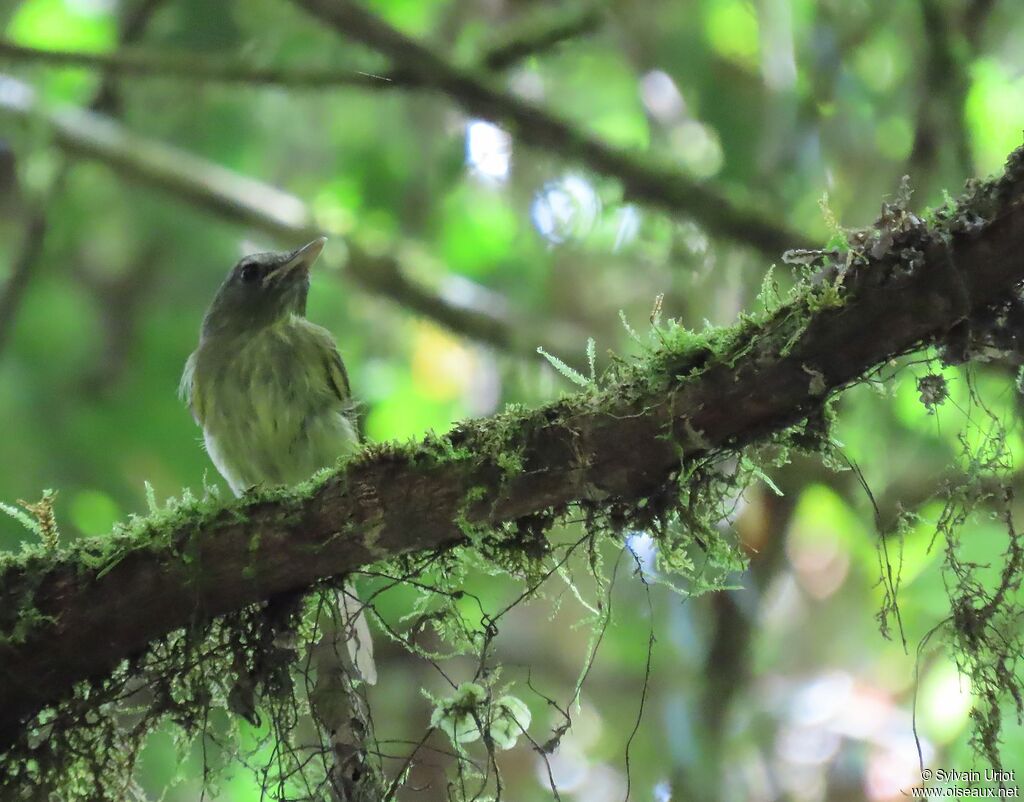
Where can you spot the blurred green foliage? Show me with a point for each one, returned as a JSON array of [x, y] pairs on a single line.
[[783, 689]]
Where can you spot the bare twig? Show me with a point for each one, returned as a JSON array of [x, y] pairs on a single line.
[[644, 179], [540, 37]]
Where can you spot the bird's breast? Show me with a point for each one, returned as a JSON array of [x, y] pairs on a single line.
[[272, 416]]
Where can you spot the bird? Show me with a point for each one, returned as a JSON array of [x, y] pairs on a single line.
[[271, 393], [268, 386]]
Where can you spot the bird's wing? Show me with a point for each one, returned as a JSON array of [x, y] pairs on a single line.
[[187, 388], [337, 376]]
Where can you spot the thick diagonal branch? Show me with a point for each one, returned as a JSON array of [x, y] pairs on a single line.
[[660, 184], [75, 615]]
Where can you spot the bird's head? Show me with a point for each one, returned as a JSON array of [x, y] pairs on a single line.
[[262, 289]]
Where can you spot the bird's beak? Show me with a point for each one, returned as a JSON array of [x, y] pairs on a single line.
[[302, 259]]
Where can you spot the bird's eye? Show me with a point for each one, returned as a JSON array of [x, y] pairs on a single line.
[[248, 273]]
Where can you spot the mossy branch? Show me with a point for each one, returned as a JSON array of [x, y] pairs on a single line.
[[75, 614], [644, 179]]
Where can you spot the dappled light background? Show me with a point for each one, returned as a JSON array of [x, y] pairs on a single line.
[[807, 111]]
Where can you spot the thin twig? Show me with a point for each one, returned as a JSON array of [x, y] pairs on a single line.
[[539, 38], [192, 67], [645, 688]]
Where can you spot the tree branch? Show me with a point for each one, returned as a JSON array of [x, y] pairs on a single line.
[[75, 614], [193, 67], [279, 214], [659, 184], [541, 36], [200, 68]]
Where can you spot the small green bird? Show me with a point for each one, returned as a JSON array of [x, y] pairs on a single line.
[[272, 395], [267, 386]]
